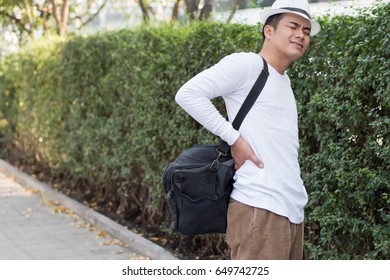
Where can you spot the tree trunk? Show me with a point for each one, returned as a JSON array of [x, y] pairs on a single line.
[[192, 8], [145, 11], [175, 11], [234, 9], [64, 17], [206, 10], [56, 15]]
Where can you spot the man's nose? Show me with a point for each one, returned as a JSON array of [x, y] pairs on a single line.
[[299, 33]]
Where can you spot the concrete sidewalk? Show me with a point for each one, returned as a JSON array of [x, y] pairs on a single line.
[[37, 222]]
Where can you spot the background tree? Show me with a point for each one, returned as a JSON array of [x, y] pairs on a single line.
[[197, 9], [145, 8], [30, 18]]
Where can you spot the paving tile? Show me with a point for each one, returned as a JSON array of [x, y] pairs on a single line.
[[31, 230], [13, 253]]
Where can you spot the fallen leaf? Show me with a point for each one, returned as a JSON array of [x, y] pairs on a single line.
[[103, 234], [154, 239], [33, 191], [117, 252], [62, 209]]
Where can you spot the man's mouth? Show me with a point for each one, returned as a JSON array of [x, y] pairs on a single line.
[[298, 45]]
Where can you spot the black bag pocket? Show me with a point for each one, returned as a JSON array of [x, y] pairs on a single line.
[[202, 216], [196, 183]]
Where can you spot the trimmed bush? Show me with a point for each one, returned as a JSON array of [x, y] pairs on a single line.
[[344, 106]]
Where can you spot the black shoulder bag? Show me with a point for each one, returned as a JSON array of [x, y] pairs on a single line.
[[198, 184]]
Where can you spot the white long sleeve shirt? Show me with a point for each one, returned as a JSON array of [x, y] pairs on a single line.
[[270, 127]]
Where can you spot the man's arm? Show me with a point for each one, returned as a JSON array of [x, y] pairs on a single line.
[[195, 98]]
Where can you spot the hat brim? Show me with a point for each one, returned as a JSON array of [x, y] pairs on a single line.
[[315, 26]]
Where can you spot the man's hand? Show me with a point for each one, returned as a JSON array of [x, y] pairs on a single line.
[[242, 151]]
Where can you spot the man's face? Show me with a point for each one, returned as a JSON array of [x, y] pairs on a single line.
[[291, 37]]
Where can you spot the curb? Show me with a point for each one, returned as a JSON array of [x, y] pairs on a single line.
[[136, 242]]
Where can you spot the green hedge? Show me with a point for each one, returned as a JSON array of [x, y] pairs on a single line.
[[344, 97], [100, 111]]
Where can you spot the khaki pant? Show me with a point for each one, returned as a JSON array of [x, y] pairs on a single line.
[[257, 234]]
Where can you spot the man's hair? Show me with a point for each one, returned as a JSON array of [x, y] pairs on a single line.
[[272, 21]]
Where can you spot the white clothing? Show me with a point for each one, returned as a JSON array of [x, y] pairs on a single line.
[[270, 128]]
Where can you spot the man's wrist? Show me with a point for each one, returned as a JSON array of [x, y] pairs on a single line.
[[233, 138]]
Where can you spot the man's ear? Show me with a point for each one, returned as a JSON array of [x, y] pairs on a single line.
[[268, 30]]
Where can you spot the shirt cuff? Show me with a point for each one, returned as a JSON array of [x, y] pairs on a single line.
[[232, 137]]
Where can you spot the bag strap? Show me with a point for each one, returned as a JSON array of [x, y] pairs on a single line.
[[247, 105]]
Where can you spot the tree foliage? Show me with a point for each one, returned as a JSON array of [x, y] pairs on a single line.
[[32, 17]]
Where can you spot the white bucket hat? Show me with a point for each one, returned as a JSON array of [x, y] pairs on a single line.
[[299, 7]]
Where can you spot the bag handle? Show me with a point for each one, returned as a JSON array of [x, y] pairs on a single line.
[[257, 88]]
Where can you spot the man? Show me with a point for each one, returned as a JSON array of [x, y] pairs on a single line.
[[266, 210]]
